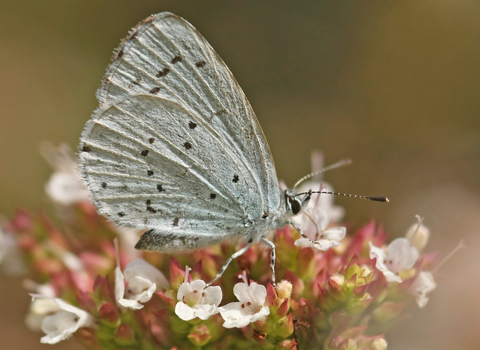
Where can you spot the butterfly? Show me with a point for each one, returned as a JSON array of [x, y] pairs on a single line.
[[176, 150]]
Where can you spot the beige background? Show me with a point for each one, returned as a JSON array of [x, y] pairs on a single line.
[[395, 85]]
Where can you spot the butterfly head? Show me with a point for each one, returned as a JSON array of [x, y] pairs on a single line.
[[295, 204]]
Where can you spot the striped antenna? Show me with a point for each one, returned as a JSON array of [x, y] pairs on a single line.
[[369, 198]]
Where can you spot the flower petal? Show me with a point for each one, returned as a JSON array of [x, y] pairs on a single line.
[[119, 284], [326, 244], [335, 233], [423, 284], [64, 323], [391, 277], [264, 312], [197, 285], [242, 292], [184, 311], [233, 315], [183, 290], [401, 255], [140, 267], [130, 303], [213, 295], [204, 311], [258, 292], [304, 242]]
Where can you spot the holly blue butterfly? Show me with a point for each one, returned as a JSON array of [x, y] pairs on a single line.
[[175, 149]]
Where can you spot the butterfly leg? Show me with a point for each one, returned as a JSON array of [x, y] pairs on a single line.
[[235, 255], [300, 231], [272, 259]]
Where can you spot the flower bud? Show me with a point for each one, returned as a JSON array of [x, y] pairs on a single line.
[[306, 264], [379, 344], [177, 274], [418, 236], [108, 314], [285, 327], [200, 335], [284, 289], [339, 279], [288, 344], [124, 335], [283, 309]]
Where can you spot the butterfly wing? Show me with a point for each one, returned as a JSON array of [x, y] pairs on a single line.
[[175, 145]]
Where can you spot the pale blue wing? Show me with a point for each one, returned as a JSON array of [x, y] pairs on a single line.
[[208, 156]]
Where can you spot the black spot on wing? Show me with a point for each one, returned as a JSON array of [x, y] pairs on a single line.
[[162, 72], [201, 64], [151, 140], [86, 149], [160, 188], [144, 153], [187, 145], [213, 196], [175, 222], [149, 172], [155, 90], [176, 59], [235, 178], [104, 185], [192, 125]]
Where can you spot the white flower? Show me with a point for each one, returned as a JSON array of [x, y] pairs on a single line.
[[10, 256], [197, 301], [39, 307], [142, 279], [65, 185], [249, 308], [38, 310], [418, 234], [325, 238], [423, 284], [64, 321], [400, 255]]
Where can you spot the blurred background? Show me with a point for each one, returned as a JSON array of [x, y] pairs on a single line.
[[394, 85]]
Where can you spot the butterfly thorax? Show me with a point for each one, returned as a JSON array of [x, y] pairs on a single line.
[[272, 219]]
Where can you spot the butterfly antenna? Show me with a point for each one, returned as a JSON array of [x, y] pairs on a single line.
[[339, 164], [369, 198]]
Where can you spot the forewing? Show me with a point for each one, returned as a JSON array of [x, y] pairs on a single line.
[[208, 168]]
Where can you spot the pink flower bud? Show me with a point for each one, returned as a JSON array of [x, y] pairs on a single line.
[[124, 335], [200, 335], [283, 309], [103, 289], [289, 344], [271, 295], [306, 264], [177, 274], [108, 314]]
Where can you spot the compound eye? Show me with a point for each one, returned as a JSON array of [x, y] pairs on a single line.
[[296, 206]]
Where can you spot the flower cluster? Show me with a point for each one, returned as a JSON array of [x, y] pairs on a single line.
[[336, 291]]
